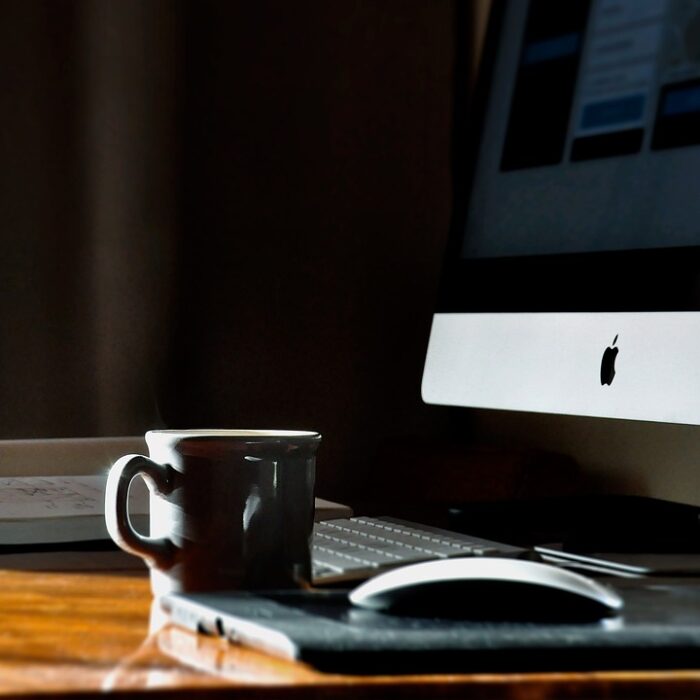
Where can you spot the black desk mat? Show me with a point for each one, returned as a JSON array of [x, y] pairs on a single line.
[[659, 628]]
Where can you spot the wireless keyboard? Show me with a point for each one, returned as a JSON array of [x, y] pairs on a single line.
[[357, 548]]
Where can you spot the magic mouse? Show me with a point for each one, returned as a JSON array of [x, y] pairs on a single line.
[[485, 588]]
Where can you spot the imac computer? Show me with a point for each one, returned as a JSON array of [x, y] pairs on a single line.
[[572, 276]]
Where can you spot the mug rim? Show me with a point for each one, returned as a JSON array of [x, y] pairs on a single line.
[[253, 433]]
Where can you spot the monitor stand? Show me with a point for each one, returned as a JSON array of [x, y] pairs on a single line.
[[591, 523]]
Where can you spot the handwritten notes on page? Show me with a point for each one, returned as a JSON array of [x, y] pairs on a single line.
[[57, 509]]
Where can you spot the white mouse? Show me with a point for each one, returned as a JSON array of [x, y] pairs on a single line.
[[488, 588]]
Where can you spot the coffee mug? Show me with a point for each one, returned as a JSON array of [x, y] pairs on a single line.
[[229, 509]]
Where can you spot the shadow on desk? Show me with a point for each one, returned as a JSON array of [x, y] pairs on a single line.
[[110, 561], [420, 480]]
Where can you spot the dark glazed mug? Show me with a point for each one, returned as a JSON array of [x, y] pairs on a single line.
[[229, 509]]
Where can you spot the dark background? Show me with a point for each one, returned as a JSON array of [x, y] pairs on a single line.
[[224, 214], [316, 198]]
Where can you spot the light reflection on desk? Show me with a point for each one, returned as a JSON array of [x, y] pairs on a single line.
[[68, 633]]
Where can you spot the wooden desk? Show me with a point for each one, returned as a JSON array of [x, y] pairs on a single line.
[[85, 634]]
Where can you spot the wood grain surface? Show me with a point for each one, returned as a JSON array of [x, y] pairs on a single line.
[[86, 634]]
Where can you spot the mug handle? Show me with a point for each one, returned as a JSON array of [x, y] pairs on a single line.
[[158, 551]]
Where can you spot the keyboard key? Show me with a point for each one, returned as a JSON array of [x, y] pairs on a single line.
[[352, 548]]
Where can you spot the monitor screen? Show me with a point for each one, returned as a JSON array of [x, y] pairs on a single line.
[[571, 281]]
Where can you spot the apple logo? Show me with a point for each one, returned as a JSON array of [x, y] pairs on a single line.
[[607, 366]]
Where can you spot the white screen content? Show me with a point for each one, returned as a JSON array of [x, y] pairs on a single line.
[[628, 176]]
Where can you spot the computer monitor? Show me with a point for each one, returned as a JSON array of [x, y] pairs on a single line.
[[572, 276]]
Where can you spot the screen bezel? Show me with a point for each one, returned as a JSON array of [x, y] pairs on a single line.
[[659, 279]]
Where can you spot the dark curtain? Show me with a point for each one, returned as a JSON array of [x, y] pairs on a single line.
[[224, 214], [88, 168]]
